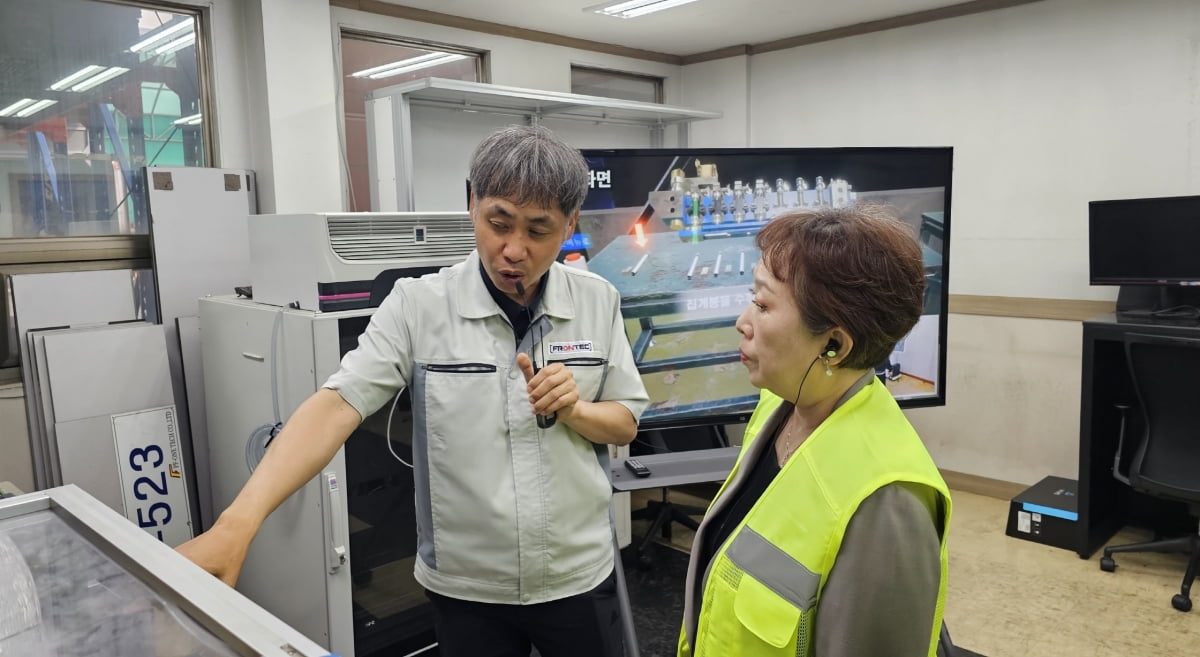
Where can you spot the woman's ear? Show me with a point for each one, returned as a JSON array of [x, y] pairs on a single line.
[[842, 345]]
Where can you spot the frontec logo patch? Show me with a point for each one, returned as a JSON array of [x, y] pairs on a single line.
[[577, 347]]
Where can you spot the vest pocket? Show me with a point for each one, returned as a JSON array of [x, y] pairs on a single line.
[[771, 595], [769, 618], [741, 617]]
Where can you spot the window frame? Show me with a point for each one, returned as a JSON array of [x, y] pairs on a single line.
[[659, 81], [132, 247], [342, 31]]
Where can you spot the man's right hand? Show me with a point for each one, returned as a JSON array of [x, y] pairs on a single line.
[[309, 440], [221, 550]]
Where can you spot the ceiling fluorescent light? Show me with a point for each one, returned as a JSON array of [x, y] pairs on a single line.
[[171, 46], [12, 109], [653, 7], [185, 24], [112, 72], [635, 8], [614, 9], [76, 77], [194, 119], [366, 73], [445, 59], [408, 65], [35, 108]]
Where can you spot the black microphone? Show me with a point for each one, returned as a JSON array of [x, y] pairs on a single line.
[[543, 421]]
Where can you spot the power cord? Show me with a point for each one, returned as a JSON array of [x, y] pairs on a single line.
[[387, 432], [1177, 312], [260, 439]]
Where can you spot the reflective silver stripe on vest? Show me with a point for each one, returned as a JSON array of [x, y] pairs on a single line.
[[774, 568]]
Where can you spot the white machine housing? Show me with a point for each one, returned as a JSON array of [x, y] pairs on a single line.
[[320, 261]]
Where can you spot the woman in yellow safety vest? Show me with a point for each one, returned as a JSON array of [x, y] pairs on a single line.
[[829, 536]]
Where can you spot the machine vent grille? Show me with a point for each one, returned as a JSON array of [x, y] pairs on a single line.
[[394, 238]]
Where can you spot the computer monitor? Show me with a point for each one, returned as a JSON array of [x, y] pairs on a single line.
[[1150, 247], [673, 230]]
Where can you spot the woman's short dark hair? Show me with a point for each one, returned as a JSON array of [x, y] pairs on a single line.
[[858, 267]]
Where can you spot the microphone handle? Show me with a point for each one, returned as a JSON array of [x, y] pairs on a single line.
[[543, 421]]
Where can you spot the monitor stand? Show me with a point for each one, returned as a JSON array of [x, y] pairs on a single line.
[[1154, 299]]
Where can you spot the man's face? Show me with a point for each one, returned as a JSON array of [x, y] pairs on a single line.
[[518, 243]]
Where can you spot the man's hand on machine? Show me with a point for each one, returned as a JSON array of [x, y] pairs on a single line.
[[221, 550]]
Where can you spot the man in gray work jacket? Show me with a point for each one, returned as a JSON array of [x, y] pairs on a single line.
[[515, 545]]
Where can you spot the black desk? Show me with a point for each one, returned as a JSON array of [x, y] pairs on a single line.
[[1105, 504]]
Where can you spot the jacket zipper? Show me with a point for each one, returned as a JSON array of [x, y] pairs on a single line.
[[581, 361], [461, 368]]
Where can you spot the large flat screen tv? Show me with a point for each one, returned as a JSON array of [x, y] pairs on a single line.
[[673, 230]]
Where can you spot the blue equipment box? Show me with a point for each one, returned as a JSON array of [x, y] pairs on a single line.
[[1047, 513]]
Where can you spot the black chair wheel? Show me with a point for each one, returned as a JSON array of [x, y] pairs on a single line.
[[643, 562], [1107, 564], [1181, 602]]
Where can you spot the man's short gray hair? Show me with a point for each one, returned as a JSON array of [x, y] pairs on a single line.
[[529, 165]]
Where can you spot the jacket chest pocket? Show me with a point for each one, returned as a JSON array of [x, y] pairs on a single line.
[[459, 368], [441, 390], [589, 373]]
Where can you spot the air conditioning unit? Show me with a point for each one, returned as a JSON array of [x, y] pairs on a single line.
[[333, 261]]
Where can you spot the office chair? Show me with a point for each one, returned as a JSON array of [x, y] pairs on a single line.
[[1166, 460]]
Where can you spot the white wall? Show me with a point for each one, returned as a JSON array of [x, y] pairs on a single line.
[[722, 85], [1048, 106], [1012, 410], [235, 139], [275, 103], [295, 105]]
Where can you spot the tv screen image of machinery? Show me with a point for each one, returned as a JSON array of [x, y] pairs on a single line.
[[673, 230]]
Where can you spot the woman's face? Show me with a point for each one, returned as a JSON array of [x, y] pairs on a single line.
[[776, 348]]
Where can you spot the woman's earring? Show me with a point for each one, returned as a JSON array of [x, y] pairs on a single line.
[[828, 372]]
